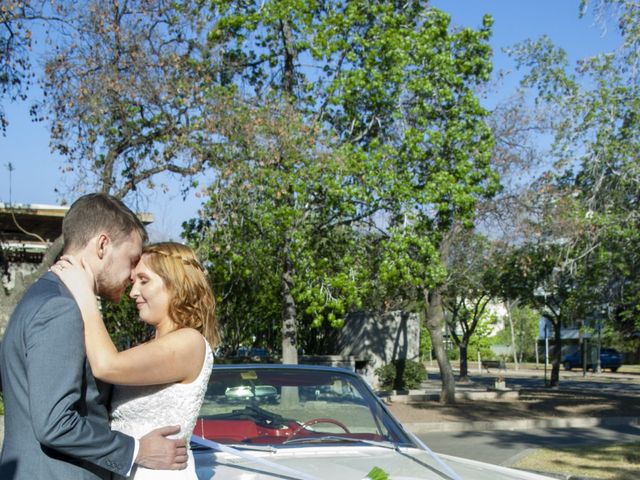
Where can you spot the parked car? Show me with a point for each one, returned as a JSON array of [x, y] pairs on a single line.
[[609, 358], [261, 421], [256, 354]]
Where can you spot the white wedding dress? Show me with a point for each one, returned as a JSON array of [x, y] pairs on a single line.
[[136, 410]]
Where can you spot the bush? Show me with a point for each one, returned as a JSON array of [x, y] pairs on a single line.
[[425, 343], [401, 375]]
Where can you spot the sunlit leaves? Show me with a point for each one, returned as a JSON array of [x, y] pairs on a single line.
[[385, 146], [597, 144]]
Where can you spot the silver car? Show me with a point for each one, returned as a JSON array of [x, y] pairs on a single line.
[[313, 423]]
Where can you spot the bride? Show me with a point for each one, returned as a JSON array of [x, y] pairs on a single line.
[[163, 381]]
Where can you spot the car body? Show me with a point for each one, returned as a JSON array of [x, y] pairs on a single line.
[[261, 421], [609, 358], [255, 354]]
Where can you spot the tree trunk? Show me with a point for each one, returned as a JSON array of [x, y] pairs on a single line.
[[435, 322], [557, 353], [288, 44], [464, 365], [514, 347], [289, 327]]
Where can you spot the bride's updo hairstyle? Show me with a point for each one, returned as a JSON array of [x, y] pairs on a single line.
[[191, 302]]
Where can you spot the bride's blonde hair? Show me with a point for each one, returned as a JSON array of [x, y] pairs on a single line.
[[192, 303]]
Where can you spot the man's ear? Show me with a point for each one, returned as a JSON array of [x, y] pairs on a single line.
[[102, 243]]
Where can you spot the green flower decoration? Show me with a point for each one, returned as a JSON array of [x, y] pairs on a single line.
[[377, 473]]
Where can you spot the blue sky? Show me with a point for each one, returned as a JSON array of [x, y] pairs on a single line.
[[37, 171]]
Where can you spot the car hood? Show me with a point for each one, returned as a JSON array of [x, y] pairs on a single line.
[[348, 463]]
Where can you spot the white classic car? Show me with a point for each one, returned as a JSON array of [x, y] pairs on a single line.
[[261, 422]]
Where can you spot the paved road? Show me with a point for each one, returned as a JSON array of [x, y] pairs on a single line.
[[573, 380], [503, 447]]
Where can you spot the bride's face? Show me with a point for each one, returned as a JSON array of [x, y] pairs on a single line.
[[151, 294]]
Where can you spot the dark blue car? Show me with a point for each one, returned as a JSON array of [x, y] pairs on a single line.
[[609, 358]]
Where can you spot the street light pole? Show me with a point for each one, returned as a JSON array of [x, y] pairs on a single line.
[[583, 347], [599, 364], [546, 350]]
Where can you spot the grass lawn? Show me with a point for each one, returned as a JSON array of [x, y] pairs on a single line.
[[630, 369], [614, 462]]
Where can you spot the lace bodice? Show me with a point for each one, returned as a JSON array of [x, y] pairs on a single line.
[[136, 410]]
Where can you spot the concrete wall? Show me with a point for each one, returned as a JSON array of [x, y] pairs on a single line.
[[7, 284], [374, 340]]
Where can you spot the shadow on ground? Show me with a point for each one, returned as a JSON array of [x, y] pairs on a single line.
[[531, 404]]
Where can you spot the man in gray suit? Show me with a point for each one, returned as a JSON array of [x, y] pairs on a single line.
[[56, 412]]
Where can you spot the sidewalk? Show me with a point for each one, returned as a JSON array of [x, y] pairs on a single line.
[[478, 408]]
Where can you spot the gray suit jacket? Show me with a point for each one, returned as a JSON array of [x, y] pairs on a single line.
[[56, 412]]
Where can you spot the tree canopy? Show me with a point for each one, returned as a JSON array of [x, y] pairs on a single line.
[[587, 228], [399, 147], [344, 157]]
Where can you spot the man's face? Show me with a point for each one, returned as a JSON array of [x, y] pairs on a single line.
[[120, 260]]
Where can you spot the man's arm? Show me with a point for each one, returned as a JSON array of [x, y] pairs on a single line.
[[56, 378], [56, 362]]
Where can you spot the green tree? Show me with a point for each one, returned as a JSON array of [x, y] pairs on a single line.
[[480, 343], [441, 171], [597, 132], [132, 94], [552, 273], [277, 232], [520, 332], [470, 287], [391, 89]]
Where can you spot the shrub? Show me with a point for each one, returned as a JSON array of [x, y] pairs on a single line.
[[401, 375], [425, 343]]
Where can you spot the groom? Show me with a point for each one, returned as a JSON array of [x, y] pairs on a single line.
[[56, 412]]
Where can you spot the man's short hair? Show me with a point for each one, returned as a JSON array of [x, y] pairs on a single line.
[[97, 212]]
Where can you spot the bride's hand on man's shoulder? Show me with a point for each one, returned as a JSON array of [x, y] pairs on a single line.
[[75, 274]]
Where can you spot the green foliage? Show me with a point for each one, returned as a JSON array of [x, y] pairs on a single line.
[[613, 336], [282, 215], [453, 354], [425, 343], [471, 286], [525, 326], [596, 127], [401, 375], [1, 404], [357, 140], [480, 340]]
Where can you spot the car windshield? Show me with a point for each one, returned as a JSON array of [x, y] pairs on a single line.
[[283, 406]]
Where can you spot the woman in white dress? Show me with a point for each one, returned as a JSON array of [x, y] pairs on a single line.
[[161, 382]]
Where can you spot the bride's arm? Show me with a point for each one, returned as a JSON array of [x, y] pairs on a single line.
[[163, 360]]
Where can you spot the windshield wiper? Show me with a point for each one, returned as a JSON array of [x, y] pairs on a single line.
[[258, 448], [337, 438]]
